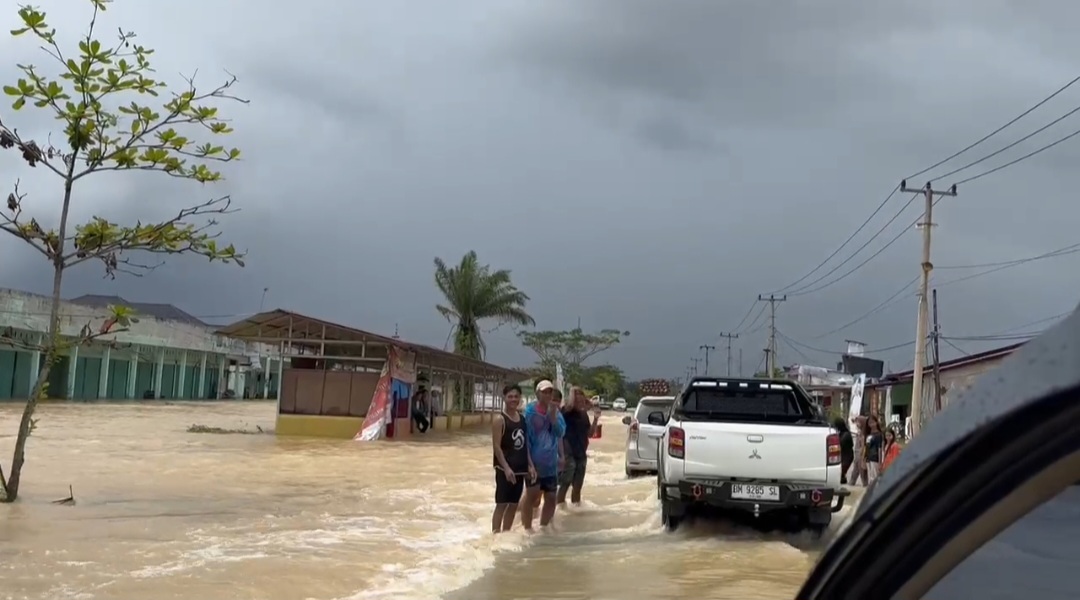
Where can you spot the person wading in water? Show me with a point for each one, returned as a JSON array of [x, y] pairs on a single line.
[[557, 403], [579, 428], [544, 429], [512, 464]]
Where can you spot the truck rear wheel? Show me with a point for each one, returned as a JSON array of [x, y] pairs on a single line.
[[671, 514]]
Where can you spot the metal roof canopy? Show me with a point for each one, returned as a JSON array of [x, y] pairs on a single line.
[[309, 337]]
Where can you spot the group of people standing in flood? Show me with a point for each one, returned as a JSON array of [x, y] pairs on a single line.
[[540, 454], [866, 453]]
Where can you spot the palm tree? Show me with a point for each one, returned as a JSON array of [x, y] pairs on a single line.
[[473, 293]]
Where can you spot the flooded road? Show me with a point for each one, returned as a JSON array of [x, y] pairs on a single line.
[[162, 513]]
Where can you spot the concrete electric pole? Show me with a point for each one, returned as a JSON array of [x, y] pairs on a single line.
[[707, 348], [924, 314], [695, 360], [770, 352], [729, 336]]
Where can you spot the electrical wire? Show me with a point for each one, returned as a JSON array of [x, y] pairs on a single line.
[[1067, 250], [863, 263], [999, 129], [997, 338], [880, 206], [871, 351], [994, 267], [954, 346], [893, 299], [1010, 332], [1021, 159], [802, 354], [809, 288], [746, 316], [843, 245], [1012, 145], [754, 322]]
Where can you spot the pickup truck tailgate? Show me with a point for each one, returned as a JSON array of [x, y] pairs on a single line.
[[758, 451]]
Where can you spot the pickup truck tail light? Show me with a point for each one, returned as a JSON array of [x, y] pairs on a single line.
[[676, 442], [832, 449]]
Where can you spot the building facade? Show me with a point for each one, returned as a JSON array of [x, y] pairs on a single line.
[[167, 354], [894, 391]]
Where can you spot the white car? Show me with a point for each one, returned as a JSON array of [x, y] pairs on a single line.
[[749, 448], [619, 404], [642, 440]]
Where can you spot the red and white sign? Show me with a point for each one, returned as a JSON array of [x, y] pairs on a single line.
[[378, 413]]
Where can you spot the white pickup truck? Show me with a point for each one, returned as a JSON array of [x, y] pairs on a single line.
[[754, 448]]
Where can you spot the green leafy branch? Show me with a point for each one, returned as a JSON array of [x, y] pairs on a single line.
[[105, 132], [132, 135]]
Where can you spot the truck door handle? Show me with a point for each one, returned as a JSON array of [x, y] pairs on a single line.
[[755, 439], [656, 436]]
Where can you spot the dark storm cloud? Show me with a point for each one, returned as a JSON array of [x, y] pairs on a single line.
[[643, 165]]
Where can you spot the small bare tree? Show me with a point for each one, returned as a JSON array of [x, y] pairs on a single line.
[[103, 96]]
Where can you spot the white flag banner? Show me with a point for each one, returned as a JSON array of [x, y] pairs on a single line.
[[856, 397], [559, 382]]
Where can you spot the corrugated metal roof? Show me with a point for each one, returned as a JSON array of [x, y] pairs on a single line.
[[166, 312]]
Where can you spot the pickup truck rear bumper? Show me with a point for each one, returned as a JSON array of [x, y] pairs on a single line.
[[772, 495]]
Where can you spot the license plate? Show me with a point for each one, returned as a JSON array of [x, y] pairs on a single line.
[[743, 491]]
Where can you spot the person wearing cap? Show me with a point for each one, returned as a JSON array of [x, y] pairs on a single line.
[[544, 430], [557, 403]]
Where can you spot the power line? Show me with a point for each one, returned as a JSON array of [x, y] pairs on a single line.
[[954, 346], [1067, 250], [843, 245], [809, 288], [869, 351], [889, 197], [1021, 159], [882, 306], [746, 316], [1061, 251], [803, 355], [995, 267], [998, 130], [754, 322], [1012, 145], [868, 259]]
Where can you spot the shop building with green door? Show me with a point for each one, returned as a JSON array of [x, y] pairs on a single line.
[[167, 354]]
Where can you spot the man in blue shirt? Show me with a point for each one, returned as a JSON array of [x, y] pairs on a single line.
[[544, 430]]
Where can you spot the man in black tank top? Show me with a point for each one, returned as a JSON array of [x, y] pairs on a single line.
[[512, 464]]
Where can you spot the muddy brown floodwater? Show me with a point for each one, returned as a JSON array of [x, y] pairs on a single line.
[[162, 513]]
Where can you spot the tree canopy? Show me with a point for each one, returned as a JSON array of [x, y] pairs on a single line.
[[473, 293], [570, 348]]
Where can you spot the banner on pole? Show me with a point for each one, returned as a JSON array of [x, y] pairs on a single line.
[[400, 365], [857, 397]]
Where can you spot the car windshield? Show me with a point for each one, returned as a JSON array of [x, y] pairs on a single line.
[[648, 406], [741, 403]]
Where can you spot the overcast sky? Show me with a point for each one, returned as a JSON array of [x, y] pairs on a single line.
[[641, 164]]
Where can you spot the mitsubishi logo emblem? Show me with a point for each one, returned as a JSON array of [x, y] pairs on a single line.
[[754, 454]]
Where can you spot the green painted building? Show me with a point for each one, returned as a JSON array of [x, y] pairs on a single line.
[[168, 354]]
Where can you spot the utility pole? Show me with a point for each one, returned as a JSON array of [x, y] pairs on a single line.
[[707, 348], [730, 336], [770, 352], [937, 359], [695, 360], [923, 315], [740, 363]]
